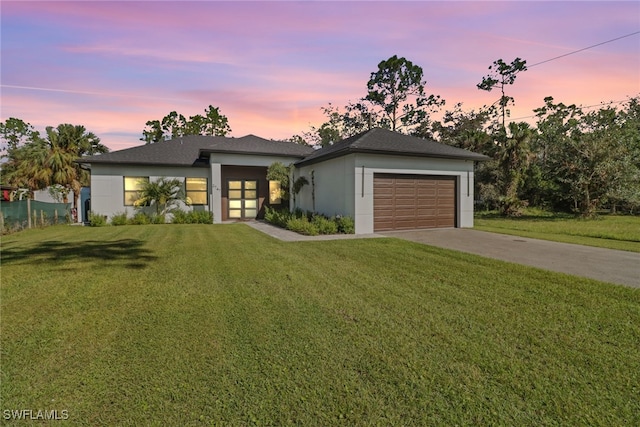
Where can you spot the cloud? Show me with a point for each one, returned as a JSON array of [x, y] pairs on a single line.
[[271, 66]]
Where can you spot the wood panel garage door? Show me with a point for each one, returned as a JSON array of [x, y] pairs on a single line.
[[405, 202]]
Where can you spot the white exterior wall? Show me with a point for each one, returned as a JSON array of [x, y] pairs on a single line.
[[345, 185], [333, 182], [107, 184]]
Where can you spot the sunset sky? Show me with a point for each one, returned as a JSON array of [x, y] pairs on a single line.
[[271, 66]]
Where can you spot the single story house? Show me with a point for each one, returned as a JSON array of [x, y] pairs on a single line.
[[382, 179]]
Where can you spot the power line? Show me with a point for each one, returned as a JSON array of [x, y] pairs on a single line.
[[586, 107], [583, 49]]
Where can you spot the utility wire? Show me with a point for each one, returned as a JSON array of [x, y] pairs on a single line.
[[583, 49], [586, 107]]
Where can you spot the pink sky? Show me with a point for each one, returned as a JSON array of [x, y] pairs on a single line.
[[271, 66]]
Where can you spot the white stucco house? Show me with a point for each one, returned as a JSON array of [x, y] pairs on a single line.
[[383, 179]]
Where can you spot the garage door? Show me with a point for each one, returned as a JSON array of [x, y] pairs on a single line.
[[405, 202]]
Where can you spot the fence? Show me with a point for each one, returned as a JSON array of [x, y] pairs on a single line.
[[29, 213]]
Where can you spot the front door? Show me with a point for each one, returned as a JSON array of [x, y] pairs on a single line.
[[243, 199]]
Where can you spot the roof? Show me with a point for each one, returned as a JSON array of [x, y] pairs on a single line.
[[193, 150], [383, 141]]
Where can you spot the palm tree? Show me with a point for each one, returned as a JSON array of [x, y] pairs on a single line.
[[55, 159], [163, 194]]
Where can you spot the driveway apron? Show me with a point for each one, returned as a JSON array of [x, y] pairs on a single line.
[[607, 265]]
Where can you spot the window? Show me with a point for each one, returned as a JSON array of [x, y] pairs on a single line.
[[196, 190], [132, 187], [275, 193]]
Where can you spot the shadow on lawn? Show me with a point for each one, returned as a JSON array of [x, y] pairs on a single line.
[[128, 250]]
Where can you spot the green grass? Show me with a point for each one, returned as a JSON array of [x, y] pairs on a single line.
[[222, 325], [607, 231]]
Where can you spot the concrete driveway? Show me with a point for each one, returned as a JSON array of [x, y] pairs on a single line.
[[607, 265]]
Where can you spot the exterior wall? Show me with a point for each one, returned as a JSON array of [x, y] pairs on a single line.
[[107, 184], [248, 159], [45, 196], [345, 185], [333, 183]]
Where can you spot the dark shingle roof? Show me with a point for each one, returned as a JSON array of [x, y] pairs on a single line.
[[192, 150], [383, 141]]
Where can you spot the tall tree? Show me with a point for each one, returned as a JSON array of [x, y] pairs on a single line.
[[19, 142], [398, 89], [298, 139], [16, 132], [590, 157], [502, 74], [465, 129], [56, 155], [514, 160], [175, 125], [355, 118]]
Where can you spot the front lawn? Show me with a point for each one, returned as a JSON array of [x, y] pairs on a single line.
[[607, 231], [222, 325]]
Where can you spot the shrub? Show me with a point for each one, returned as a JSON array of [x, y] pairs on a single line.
[[278, 217], [345, 224], [140, 218], [97, 220], [178, 217], [200, 217], [119, 219], [302, 226], [192, 217], [305, 222], [324, 225], [158, 219]]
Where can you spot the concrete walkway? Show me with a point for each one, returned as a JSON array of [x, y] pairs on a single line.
[[607, 265]]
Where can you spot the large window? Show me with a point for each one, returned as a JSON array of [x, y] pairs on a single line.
[[196, 190], [132, 187]]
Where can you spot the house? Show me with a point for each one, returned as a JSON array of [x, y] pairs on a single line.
[[383, 179]]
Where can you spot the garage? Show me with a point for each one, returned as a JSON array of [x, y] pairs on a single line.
[[405, 202]]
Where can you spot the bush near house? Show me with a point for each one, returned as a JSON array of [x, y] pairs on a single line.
[[97, 220], [309, 223], [192, 217], [144, 218], [119, 219]]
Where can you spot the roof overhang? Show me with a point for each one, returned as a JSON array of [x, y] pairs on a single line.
[[351, 150]]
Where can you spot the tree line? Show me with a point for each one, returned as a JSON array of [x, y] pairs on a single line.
[[572, 159], [34, 161]]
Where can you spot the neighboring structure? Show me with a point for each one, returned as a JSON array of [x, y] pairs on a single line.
[[82, 215], [383, 179]]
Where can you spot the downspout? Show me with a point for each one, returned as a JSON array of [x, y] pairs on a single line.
[[313, 191]]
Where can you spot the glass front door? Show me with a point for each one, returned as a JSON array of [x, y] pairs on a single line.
[[243, 199]]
